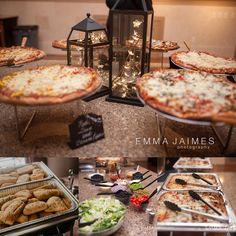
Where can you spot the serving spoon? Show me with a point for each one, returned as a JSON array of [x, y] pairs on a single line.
[[196, 176]]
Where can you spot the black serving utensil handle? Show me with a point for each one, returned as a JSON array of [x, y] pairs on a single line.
[[105, 185], [152, 194], [149, 184], [145, 178], [106, 193], [96, 181], [196, 176], [196, 196], [145, 172]]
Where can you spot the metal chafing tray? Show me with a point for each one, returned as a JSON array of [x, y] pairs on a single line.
[[200, 227], [218, 183], [180, 167], [43, 222], [49, 174]]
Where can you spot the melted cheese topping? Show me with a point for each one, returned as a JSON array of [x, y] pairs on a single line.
[[204, 60], [190, 90], [46, 81], [16, 53]]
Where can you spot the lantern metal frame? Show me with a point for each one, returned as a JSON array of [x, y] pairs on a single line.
[[145, 49], [88, 26]]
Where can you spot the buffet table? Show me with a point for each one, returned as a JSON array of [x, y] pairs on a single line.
[[136, 223], [129, 130]]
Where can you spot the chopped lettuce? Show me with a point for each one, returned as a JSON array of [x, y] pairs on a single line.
[[108, 211]]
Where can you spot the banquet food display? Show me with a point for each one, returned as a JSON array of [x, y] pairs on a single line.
[[18, 55], [189, 94], [48, 85], [109, 213], [191, 163], [204, 61], [23, 174]]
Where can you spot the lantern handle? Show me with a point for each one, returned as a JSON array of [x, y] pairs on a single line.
[[88, 15]]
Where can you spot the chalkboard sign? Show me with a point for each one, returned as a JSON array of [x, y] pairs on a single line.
[[86, 129]]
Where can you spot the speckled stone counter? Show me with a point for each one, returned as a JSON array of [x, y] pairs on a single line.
[[136, 223], [129, 130]]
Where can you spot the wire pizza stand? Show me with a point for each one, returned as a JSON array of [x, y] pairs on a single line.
[[224, 141], [162, 51]]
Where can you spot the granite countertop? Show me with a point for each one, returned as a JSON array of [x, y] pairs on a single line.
[[136, 223], [127, 128]]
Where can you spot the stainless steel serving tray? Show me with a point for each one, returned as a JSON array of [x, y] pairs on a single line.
[[200, 227], [43, 222], [41, 165], [218, 183], [180, 167]]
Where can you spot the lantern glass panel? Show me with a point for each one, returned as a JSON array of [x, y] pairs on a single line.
[[130, 54]]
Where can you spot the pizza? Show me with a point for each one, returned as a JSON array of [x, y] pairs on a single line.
[[164, 45], [48, 85], [204, 62], [18, 55], [189, 94], [62, 44], [171, 184], [183, 199]]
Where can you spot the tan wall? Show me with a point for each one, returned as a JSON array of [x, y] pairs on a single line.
[[205, 25]]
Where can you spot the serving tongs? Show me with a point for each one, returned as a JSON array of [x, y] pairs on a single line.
[[142, 188], [197, 197], [152, 194], [139, 180], [196, 176], [81, 225], [184, 183], [174, 207], [94, 180]]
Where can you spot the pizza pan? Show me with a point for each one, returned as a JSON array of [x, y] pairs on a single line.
[[49, 174], [180, 167], [189, 187], [181, 120], [43, 222], [200, 226]]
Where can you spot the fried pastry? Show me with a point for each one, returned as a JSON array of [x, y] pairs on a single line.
[[37, 176], [6, 199], [12, 212], [7, 179], [34, 199], [43, 214], [55, 204], [34, 207], [6, 184], [7, 204], [25, 169], [45, 194], [33, 217], [22, 219], [24, 193], [23, 178]]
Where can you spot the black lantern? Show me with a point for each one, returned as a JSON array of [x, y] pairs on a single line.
[[130, 36], [87, 45]]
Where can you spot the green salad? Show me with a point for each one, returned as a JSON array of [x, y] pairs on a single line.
[[108, 211]]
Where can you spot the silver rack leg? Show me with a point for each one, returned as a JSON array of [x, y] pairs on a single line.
[[224, 143], [161, 131], [162, 59], [22, 134], [204, 234]]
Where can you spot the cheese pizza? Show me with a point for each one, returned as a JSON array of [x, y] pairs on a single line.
[[62, 44], [18, 55], [189, 94], [183, 199], [48, 85], [164, 45], [204, 62]]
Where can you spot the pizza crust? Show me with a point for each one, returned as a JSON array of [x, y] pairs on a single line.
[[200, 114], [47, 100], [33, 54], [175, 59]]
